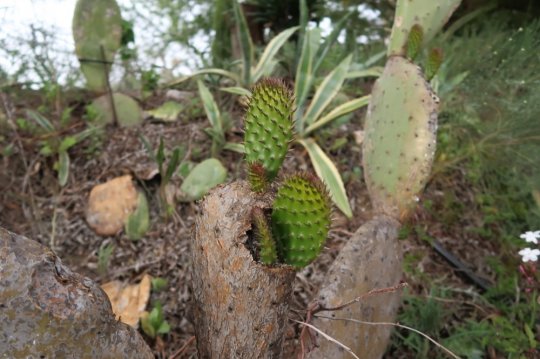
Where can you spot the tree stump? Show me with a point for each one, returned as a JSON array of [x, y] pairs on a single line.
[[241, 305]]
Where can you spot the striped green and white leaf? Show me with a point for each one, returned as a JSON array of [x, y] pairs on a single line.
[[210, 107], [326, 91], [246, 44], [339, 111], [266, 62], [304, 73], [236, 90], [329, 174], [211, 71], [374, 71], [63, 168], [329, 41]]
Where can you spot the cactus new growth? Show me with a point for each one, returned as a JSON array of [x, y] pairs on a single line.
[[301, 219], [433, 63], [414, 42], [268, 130], [400, 137], [263, 235]]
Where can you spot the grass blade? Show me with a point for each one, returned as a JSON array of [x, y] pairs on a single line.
[[235, 147], [327, 90], [210, 107], [265, 62], [327, 171], [339, 111], [245, 42]]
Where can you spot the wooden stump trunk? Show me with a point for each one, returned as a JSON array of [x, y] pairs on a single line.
[[241, 306]]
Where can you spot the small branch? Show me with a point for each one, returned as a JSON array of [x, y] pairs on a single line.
[[363, 296], [183, 348], [452, 355], [327, 337]]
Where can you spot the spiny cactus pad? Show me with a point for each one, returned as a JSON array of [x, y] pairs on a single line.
[[268, 126], [263, 235], [429, 14], [301, 219], [400, 137], [96, 24]]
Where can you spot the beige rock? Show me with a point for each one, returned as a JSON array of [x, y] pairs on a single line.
[[110, 204]]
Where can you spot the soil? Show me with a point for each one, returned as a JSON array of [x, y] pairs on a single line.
[[33, 204]]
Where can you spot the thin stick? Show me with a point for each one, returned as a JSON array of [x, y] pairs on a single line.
[[327, 337], [183, 348], [452, 355], [108, 84], [368, 294]]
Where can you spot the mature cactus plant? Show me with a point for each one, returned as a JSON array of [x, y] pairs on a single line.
[[97, 31], [249, 239], [398, 151], [268, 130]]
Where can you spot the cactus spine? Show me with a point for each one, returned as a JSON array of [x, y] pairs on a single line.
[[268, 131], [301, 219]]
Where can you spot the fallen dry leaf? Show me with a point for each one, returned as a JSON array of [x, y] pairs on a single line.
[[110, 204], [128, 301]]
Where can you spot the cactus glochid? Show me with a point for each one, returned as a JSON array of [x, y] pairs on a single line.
[[268, 130], [301, 219]]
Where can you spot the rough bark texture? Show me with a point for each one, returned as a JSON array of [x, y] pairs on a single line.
[[370, 260], [47, 311], [241, 306]]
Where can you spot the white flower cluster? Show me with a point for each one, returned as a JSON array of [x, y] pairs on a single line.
[[528, 254]]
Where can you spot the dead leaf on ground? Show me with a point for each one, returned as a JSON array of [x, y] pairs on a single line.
[[128, 301]]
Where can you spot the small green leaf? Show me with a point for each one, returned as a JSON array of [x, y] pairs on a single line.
[[67, 143], [158, 284], [205, 176], [164, 328], [327, 171], [40, 120], [167, 112], [46, 150], [210, 107], [173, 164], [235, 147], [63, 168], [147, 327], [138, 222], [160, 156]]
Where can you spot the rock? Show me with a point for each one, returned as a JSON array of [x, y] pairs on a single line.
[[110, 205], [48, 311]]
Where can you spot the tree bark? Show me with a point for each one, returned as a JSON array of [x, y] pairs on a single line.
[[370, 260], [47, 311], [241, 306]]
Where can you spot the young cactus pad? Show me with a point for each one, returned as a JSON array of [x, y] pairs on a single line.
[[400, 138], [431, 15], [268, 127], [301, 219]]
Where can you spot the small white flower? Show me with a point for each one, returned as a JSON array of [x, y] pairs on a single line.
[[531, 236], [529, 254]]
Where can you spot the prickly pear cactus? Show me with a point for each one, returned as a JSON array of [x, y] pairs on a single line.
[[400, 139], [268, 130], [301, 219], [429, 14], [96, 24]]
